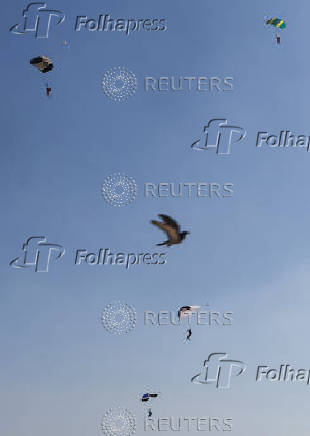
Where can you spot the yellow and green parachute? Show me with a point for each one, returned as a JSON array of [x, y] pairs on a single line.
[[277, 22]]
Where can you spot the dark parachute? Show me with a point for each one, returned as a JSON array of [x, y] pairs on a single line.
[[43, 63]]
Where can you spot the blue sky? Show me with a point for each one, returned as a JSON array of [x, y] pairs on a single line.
[[60, 370]]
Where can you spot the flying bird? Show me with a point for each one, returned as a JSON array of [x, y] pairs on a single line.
[[172, 230]]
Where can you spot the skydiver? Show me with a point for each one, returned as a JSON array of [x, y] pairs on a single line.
[[48, 90], [189, 334]]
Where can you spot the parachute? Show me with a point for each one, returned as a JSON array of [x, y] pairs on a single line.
[[187, 311], [147, 396], [278, 23], [43, 63]]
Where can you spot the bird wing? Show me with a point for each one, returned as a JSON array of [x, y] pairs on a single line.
[[171, 232], [170, 221]]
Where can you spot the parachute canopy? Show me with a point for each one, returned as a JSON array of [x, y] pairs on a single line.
[[43, 63], [277, 22], [146, 397], [187, 310]]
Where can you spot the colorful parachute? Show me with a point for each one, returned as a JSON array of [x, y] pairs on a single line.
[[43, 63], [277, 22]]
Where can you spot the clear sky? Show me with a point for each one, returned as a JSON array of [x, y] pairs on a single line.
[[60, 370]]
